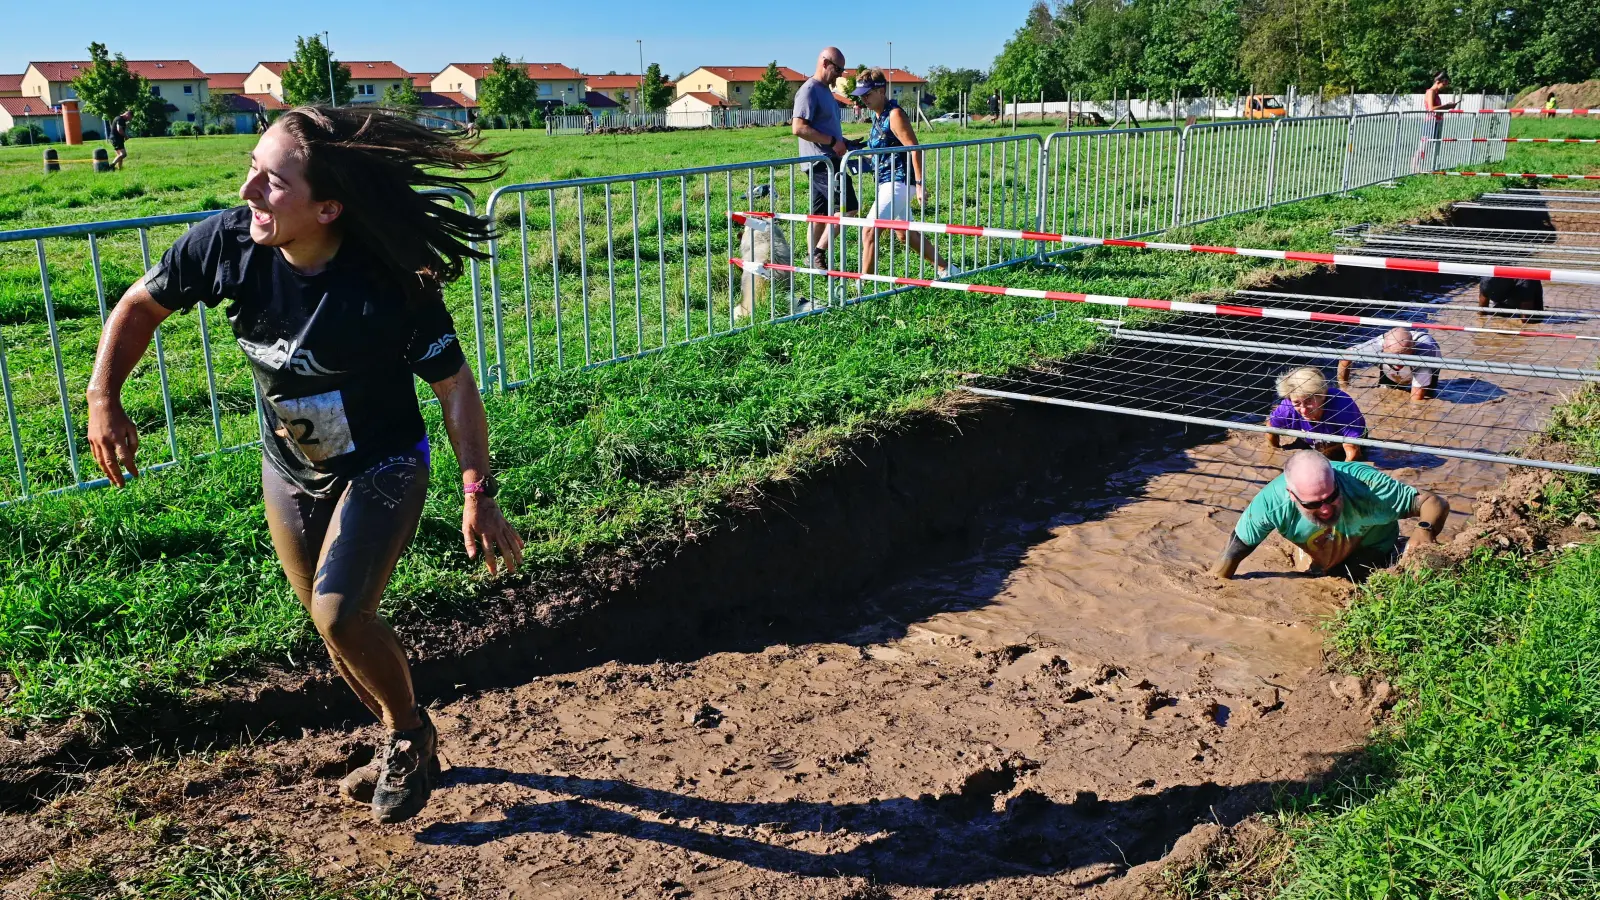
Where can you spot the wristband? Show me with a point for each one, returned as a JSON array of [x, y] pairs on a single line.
[[488, 487]]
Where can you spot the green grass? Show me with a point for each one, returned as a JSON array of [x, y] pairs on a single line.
[[111, 598], [233, 871]]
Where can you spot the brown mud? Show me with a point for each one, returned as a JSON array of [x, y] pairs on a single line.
[[982, 660]]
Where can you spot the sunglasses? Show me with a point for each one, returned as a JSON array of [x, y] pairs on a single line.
[[1318, 504]]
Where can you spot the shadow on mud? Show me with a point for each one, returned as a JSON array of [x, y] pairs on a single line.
[[980, 835]]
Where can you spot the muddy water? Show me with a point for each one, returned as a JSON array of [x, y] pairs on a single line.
[[1080, 697]]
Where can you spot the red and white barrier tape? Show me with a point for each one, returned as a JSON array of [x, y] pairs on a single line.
[[1516, 140], [1560, 276], [1522, 112], [1520, 175], [1215, 309]]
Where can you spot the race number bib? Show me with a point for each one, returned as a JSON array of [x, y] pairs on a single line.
[[316, 425]]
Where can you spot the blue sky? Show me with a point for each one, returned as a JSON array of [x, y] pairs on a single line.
[[594, 37]]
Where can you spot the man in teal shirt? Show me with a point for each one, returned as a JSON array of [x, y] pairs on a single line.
[[1338, 513]]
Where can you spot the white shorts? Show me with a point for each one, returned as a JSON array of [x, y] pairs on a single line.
[[893, 202]]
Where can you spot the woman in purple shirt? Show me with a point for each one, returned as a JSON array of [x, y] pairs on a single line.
[[1309, 404]]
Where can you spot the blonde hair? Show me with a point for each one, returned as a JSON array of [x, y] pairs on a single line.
[[874, 75], [1307, 381]]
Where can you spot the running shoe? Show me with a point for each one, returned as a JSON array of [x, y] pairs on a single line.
[[407, 773], [949, 272], [357, 787], [819, 259]]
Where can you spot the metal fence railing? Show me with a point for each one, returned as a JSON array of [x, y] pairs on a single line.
[[199, 401], [989, 181], [614, 267], [601, 120], [597, 270]]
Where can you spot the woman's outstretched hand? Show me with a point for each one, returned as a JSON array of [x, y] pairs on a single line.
[[484, 527], [113, 439]]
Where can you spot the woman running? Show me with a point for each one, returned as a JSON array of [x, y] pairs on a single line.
[[891, 127], [333, 275]]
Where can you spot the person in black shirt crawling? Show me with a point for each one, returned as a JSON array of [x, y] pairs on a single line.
[[332, 277]]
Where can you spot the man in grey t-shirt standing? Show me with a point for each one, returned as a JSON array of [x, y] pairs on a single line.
[[816, 124]]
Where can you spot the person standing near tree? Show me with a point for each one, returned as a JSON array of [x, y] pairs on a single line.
[[117, 133], [1434, 105], [333, 277], [815, 124]]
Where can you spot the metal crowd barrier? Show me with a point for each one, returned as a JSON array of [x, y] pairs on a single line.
[[612, 268]]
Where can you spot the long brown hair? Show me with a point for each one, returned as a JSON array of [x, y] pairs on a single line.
[[374, 162]]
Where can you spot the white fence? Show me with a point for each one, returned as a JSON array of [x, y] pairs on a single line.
[[1231, 106]]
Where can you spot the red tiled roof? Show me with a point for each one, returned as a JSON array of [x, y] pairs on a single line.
[[152, 69], [446, 100], [617, 82], [374, 70], [751, 73], [901, 76], [10, 82], [227, 81], [536, 71], [426, 77], [842, 99], [707, 98], [265, 101], [36, 106], [275, 68]]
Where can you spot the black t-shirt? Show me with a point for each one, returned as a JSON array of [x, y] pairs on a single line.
[[333, 354], [118, 131]]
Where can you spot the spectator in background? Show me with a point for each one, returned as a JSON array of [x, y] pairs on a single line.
[[1309, 404], [815, 124], [117, 134], [1510, 293], [1550, 107], [1434, 104], [899, 174], [1400, 341]]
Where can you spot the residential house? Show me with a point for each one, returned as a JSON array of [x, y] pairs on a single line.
[[697, 109], [16, 111], [10, 85], [623, 90], [369, 79], [226, 82], [735, 84], [904, 87], [422, 81], [177, 81], [440, 108], [559, 85]]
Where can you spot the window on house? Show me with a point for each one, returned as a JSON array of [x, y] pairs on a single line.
[[191, 117], [155, 90], [544, 90], [188, 89]]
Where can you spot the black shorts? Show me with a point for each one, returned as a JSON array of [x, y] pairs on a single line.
[[843, 201], [118, 146]]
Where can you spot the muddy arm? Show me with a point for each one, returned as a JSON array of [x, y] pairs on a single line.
[[1344, 373], [1433, 510], [1232, 555]]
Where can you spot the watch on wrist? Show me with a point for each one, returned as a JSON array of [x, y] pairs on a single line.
[[487, 487]]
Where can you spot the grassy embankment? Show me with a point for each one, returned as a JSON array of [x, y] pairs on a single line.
[[108, 598]]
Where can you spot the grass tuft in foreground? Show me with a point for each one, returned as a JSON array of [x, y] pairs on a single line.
[[233, 871]]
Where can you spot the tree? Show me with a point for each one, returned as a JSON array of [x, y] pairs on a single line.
[[108, 88], [402, 98], [217, 108], [947, 85], [771, 92], [305, 81], [507, 92], [654, 95]]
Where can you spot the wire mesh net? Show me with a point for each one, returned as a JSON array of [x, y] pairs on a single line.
[[1504, 246], [1492, 395]]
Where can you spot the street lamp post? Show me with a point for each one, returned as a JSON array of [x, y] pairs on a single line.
[[333, 98], [638, 90]]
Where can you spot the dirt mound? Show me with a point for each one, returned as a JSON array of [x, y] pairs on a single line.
[[1583, 95]]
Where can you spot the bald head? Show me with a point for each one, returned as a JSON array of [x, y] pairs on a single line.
[[830, 64], [1397, 340], [1309, 475]]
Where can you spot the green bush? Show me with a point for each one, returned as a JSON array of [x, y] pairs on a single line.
[[92, 135], [215, 128], [26, 134], [183, 129]]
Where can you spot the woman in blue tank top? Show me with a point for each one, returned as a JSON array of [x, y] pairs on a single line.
[[899, 175]]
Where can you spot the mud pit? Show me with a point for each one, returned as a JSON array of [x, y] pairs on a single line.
[[1044, 709]]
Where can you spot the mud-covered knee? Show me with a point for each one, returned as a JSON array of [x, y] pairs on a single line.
[[338, 617]]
